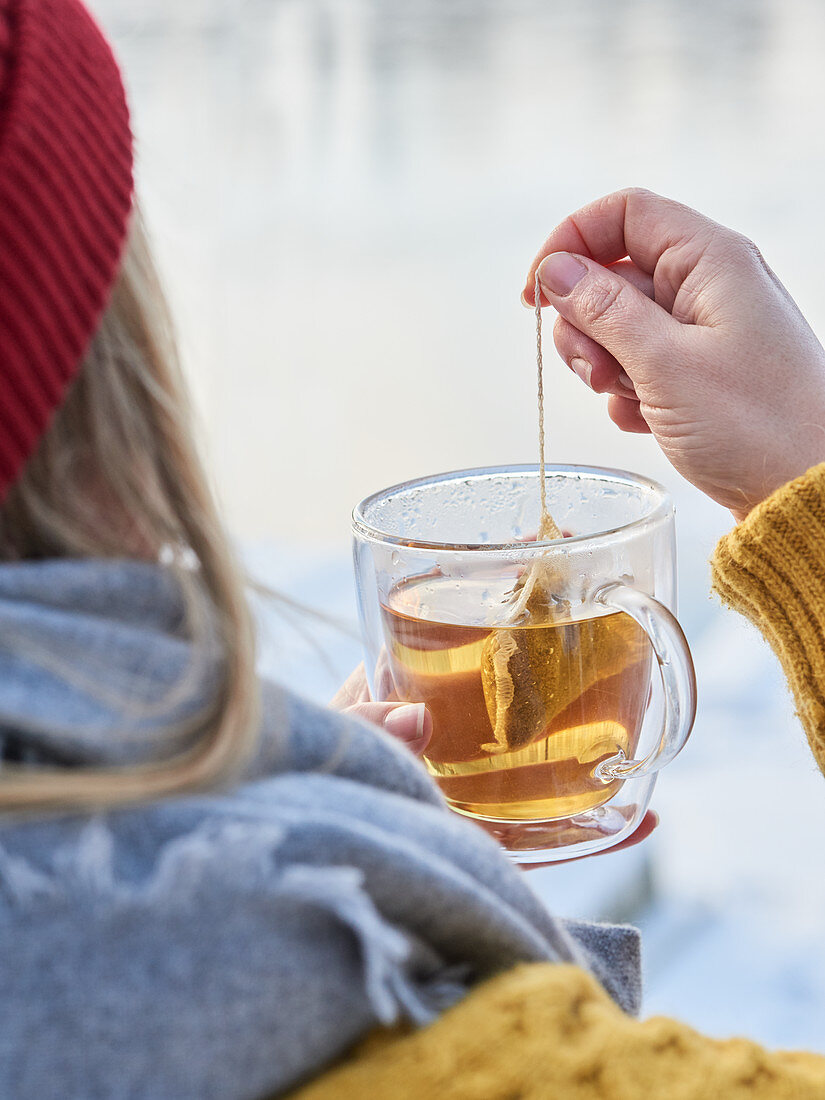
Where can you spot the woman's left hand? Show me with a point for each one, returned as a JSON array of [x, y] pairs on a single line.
[[410, 723]]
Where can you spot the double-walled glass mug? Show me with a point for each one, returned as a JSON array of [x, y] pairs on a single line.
[[558, 680]]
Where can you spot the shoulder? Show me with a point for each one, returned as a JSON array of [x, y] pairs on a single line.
[[549, 1030], [170, 952]]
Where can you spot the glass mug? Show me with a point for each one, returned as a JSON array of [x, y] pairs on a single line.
[[549, 727]]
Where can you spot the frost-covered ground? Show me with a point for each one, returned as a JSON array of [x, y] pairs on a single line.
[[345, 195]]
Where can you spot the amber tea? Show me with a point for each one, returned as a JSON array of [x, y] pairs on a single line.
[[522, 713]]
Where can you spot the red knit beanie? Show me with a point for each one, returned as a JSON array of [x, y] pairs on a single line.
[[65, 199]]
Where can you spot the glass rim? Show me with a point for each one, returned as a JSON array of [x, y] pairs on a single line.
[[663, 506]]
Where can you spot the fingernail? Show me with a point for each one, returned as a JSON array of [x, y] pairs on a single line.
[[624, 380], [407, 721], [582, 368], [559, 273]]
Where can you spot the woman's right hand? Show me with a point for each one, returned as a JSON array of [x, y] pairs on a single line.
[[694, 337]]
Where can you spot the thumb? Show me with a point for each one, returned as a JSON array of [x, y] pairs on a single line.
[[408, 722], [608, 308]]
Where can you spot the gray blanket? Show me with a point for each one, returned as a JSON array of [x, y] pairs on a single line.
[[229, 945]]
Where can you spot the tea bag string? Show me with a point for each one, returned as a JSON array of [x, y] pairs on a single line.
[[536, 572], [548, 528]]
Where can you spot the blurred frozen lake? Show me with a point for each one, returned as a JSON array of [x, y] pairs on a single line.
[[345, 196]]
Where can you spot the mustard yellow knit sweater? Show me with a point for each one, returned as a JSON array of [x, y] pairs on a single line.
[[549, 1031]]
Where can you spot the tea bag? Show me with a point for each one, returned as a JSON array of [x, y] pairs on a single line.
[[553, 668], [508, 656], [530, 676]]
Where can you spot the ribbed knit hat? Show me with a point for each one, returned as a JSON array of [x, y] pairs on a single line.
[[65, 199]]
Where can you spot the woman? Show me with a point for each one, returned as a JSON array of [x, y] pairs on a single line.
[[209, 888]]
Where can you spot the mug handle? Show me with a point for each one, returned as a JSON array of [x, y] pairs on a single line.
[[678, 680]]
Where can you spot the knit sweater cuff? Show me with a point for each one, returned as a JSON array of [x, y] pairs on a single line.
[[771, 568]]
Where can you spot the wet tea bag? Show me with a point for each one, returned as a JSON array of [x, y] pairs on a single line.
[[531, 676], [548, 679]]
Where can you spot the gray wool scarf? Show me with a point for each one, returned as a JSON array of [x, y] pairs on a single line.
[[229, 945]]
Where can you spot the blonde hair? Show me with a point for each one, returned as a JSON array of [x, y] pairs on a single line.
[[117, 476]]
